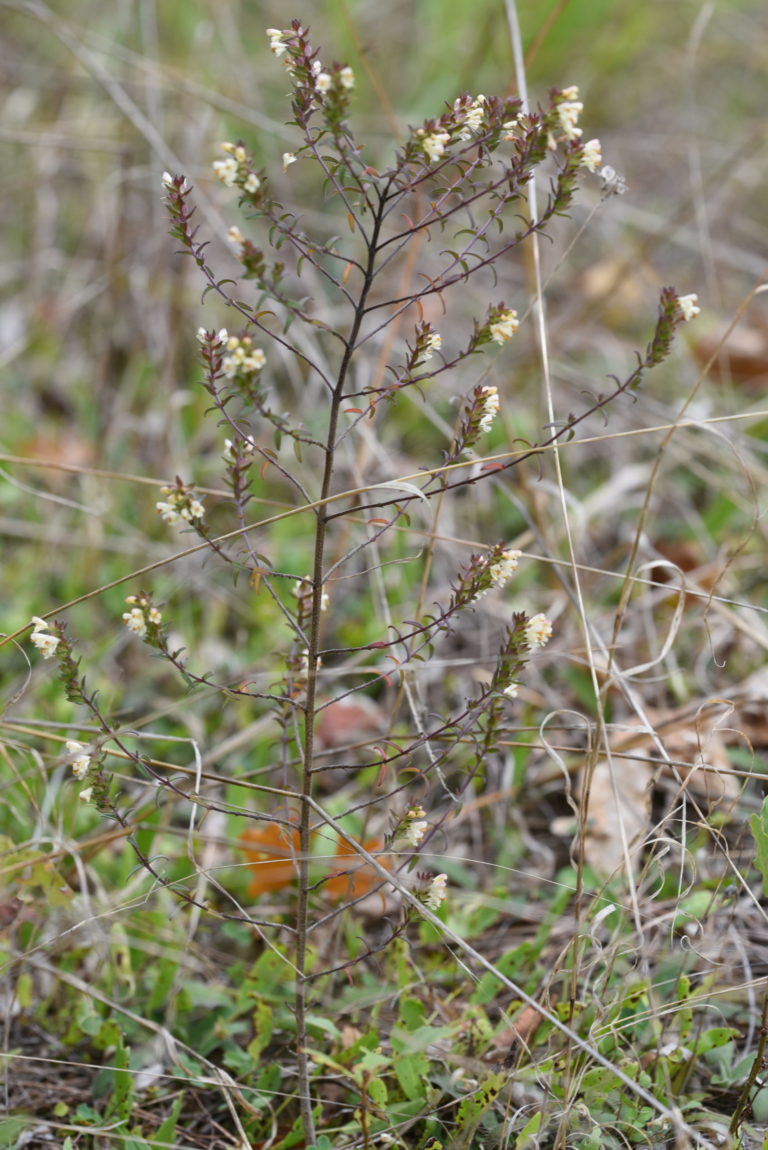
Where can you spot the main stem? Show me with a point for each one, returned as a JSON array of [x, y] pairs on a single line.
[[302, 910]]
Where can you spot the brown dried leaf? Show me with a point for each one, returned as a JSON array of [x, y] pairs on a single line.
[[696, 745], [348, 722], [9, 912], [620, 788], [619, 796], [740, 356]]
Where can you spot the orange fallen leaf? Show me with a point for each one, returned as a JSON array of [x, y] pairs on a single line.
[[353, 877], [271, 849]]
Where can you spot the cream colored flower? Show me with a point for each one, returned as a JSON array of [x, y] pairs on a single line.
[[82, 760], [504, 326], [568, 114], [414, 829], [226, 171], [436, 892], [276, 44], [434, 145], [592, 155], [135, 621], [688, 305], [538, 631], [490, 408], [504, 567], [42, 639]]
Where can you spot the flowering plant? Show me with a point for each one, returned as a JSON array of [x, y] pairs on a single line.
[[346, 324]]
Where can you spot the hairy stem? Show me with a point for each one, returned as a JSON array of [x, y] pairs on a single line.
[[302, 910]]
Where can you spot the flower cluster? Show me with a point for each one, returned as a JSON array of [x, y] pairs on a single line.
[[521, 634], [242, 360], [237, 452], [674, 310], [434, 144], [689, 306], [481, 409], [428, 342], [503, 325], [433, 896], [502, 567], [414, 827], [489, 407], [314, 85], [569, 108], [433, 343], [592, 155], [483, 573], [613, 182], [538, 631], [300, 666], [277, 42], [471, 119], [178, 184], [181, 503], [81, 765], [82, 761], [471, 115], [500, 324], [325, 81], [303, 591], [237, 169], [212, 339], [142, 618], [231, 356], [41, 638]]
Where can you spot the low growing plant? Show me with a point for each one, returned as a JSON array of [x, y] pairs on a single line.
[[350, 319]]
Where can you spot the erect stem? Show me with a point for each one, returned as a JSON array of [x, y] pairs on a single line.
[[302, 909], [754, 1078]]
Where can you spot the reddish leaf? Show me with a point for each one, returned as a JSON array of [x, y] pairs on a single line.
[[354, 877], [271, 848]]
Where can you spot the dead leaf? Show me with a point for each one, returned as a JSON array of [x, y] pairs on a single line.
[[348, 722], [619, 800], [352, 876], [740, 356], [271, 849], [9, 912], [695, 742], [349, 1036], [66, 453], [621, 786]]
